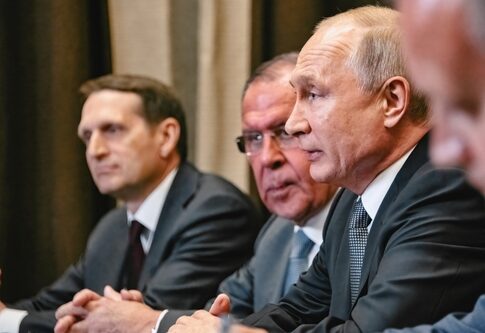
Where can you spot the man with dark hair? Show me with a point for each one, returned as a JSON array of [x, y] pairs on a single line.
[[404, 241], [179, 232]]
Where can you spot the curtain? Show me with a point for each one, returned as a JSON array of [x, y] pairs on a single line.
[[202, 49], [48, 201]]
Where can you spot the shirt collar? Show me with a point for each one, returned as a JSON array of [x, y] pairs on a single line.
[[314, 226], [149, 211], [377, 189]]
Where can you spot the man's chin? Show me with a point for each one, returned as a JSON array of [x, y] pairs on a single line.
[[108, 189], [318, 174]]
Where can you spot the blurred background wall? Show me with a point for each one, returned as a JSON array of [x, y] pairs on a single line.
[[204, 48]]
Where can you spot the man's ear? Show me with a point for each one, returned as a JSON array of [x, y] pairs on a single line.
[[396, 93], [169, 134]]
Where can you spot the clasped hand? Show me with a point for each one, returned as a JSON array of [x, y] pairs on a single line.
[[112, 312], [209, 321]]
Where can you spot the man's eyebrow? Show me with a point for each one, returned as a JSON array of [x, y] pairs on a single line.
[[273, 127], [306, 79], [83, 132]]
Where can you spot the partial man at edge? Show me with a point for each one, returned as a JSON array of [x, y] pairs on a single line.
[[445, 46]]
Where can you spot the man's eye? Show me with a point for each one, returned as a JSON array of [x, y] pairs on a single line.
[[254, 137], [113, 129], [85, 137]]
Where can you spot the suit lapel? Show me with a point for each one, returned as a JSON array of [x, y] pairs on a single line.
[[417, 158], [112, 252], [341, 282], [182, 190], [273, 269]]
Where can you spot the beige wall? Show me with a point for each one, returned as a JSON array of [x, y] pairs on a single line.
[[202, 48]]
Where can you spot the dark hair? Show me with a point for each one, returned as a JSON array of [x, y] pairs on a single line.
[[271, 70], [159, 101]]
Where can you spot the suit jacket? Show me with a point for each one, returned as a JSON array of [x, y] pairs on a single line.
[[474, 322], [261, 280], [206, 230], [424, 258]]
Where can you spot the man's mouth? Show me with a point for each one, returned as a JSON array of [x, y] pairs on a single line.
[[313, 155]]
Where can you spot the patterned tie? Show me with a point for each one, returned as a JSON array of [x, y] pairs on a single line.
[[359, 220], [298, 260], [136, 255]]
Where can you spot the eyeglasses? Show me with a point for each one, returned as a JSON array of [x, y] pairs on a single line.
[[251, 143]]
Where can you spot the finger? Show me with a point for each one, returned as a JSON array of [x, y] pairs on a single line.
[[64, 324], [69, 309], [245, 329], [85, 296], [79, 327], [186, 320], [131, 295], [221, 305], [112, 294]]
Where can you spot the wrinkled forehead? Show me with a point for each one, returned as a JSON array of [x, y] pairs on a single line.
[[343, 34], [327, 50], [267, 105]]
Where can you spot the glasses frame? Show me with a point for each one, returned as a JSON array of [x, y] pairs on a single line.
[[274, 134]]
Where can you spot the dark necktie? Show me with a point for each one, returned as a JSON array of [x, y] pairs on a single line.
[[359, 220], [298, 260], [136, 255]]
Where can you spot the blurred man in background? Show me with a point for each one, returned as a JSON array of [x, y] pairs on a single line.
[[445, 46]]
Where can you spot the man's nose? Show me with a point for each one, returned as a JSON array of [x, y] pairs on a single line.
[[271, 154], [296, 123], [96, 147]]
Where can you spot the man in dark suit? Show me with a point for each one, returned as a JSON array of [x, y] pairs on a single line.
[[281, 172], [445, 44], [404, 242], [188, 230], [282, 176]]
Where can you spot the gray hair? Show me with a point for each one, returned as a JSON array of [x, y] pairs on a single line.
[[378, 55], [272, 69]]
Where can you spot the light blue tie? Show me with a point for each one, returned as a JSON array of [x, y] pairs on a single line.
[[298, 260]]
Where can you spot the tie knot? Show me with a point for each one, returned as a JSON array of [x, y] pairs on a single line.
[[301, 245], [136, 229], [360, 218]]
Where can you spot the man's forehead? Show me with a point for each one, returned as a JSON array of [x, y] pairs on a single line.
[[104, 106], [260, 120], [327, 46]]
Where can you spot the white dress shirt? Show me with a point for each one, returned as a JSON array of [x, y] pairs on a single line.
[[313, 229], [376, 191]]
